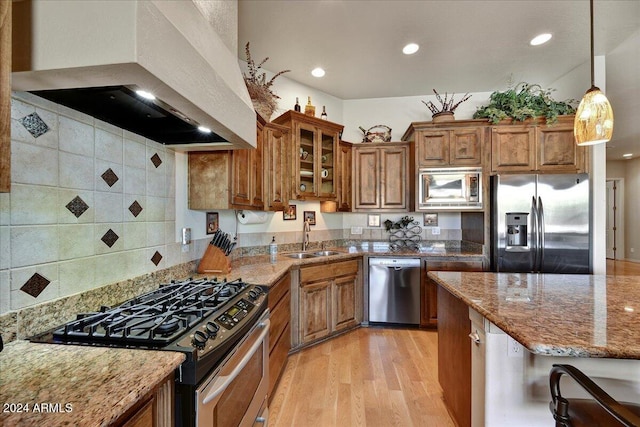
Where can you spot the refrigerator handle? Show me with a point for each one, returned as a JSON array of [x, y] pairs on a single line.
[[534, 233], [542, 242]]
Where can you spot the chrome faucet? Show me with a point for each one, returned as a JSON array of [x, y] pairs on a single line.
[[305, 235]]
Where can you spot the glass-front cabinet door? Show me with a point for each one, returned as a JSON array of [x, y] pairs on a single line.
[[315, 144]]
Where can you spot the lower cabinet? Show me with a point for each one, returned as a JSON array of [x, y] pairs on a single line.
[[429, 293], [154, 410], [454, 356], [280, 330], [329, 300]]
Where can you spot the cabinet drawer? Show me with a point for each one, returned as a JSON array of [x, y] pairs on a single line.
[[327, 271], [278, 358], [277, 291], [280, 316]]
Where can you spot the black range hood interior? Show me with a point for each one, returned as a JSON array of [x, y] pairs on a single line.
[[121, 107]]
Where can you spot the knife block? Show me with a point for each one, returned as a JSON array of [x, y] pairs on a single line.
[[214, 261]]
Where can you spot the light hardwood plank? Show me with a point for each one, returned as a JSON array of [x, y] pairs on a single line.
[[368, 377]]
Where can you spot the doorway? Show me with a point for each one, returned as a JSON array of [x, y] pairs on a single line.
[[614, 221]]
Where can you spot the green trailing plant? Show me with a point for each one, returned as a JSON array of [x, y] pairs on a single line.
[[524, 101]]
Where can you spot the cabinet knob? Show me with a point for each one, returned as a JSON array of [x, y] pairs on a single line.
[[475, 337]]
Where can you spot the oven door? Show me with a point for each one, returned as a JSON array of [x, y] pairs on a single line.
[[235, 395]]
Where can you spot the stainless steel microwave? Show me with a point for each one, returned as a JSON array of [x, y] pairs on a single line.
[[449, 188]]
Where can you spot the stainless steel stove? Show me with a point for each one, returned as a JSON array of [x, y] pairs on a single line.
[[207, 320]]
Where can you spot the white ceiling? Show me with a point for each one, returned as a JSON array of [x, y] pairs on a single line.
[[465, 46]]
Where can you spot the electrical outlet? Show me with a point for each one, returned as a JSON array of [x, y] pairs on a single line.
[[632, 250], [515, 349], [356, 230], [185, 248], [435, 230]]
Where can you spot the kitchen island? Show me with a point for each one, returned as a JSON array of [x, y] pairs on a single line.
[[520, 325]]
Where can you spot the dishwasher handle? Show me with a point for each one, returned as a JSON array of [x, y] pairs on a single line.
[[395, 263]]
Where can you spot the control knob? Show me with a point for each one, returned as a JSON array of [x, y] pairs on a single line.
[[199, 339], [212, 329]]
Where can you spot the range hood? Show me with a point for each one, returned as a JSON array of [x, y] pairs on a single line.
[[93, 55]]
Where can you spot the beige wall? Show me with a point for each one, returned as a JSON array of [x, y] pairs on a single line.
[[629, 171]]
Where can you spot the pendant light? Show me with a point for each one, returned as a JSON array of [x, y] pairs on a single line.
[[593, 123]]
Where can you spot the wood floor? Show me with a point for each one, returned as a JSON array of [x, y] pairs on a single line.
[[367, 377], [623, 268]]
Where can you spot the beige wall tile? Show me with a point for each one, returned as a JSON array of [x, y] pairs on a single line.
[[31, 164], [76, 171], [76, 275], [32, 245], [155, 233], [19, 276], [75, 137], [155, 208], [76, 241], [5, 292], [109, 146], [109, 207], [33, 204], [100, 230], [135, 235], [65, 216]]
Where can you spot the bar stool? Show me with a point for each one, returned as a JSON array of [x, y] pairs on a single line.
[[603, 410]]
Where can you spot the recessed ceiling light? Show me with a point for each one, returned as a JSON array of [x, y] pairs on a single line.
[[410, 49], [628, 155], [317, 72], [145, 94], [540, 39], [204, 129]]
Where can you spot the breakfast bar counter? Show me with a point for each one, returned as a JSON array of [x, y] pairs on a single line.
[[556, 315]]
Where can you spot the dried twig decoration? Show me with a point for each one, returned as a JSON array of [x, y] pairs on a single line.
[[257, 85], [447, 103]]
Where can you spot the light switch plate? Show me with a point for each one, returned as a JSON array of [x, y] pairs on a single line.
[[356, 230], [186, 236]]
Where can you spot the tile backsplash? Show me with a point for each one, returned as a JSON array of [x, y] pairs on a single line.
[[90, 204]]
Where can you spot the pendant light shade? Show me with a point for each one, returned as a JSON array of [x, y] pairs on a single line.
[[594, 119]]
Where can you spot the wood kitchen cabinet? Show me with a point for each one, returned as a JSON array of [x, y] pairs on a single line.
[[5, 96], [450, 147], [536, 147], [429, 288], [280, 331], [314, 156], [252, 179], [156, 409], [343, 181], [454, 356], [329, 300], [382, 177]]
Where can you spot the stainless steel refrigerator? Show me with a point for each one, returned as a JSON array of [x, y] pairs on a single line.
[[541, 223]]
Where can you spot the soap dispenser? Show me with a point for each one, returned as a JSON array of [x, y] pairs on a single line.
[[273, 249]]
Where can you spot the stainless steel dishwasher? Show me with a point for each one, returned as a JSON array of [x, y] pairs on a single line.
[[394, 290]]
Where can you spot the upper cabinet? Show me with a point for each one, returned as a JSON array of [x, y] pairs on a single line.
[[537, 147], [456, 143], [450, 147], [5, 96], [252, 179], [314, 156], [382, 177]]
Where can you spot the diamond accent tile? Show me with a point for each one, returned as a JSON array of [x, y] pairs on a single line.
[[135, 208], [156, 258], [34, 124], [77, 206], [110, 238], [156, 160], [35, 285], [110, 177]]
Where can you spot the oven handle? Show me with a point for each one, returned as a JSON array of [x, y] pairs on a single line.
[[223, 381]]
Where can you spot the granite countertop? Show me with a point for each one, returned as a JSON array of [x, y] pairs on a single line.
[[258, 269], [556, 314], [92, 385]]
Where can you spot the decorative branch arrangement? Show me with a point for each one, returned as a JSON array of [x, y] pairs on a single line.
[[257, 85], [447, 104]]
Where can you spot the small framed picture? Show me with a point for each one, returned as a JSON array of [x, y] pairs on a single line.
[[373, 220], [309, 216], [289, 214], [430, 220], [213, 222]]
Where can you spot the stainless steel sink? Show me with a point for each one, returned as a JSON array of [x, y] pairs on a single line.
[[326, 253], [301, 255]]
